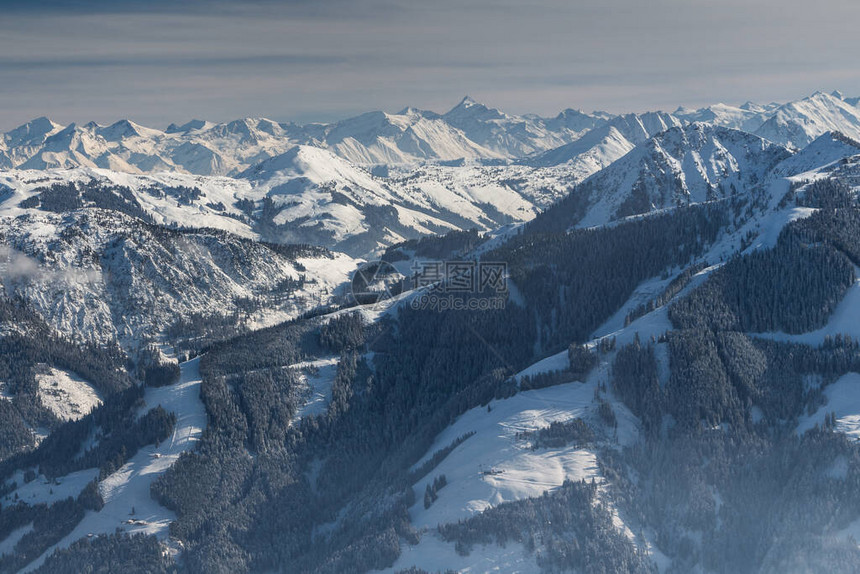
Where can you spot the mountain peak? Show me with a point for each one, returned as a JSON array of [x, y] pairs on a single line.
[[470, 105], [118, 130], [467, 102], [415, 112], [469, 110], [33, 132], [819, 95], [186, 127]]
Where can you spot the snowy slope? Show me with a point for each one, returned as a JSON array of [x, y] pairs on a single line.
[[494, 466], [680, 166], [589, 154], [102, 275], [826, 149], [606, 143], [318, 197], [843, 400], [514, 136], [409, 136], [66, 394], [310, 195], [799, 123], [748, 117]]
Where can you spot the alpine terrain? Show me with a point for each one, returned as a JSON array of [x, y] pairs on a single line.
[[422, 342]]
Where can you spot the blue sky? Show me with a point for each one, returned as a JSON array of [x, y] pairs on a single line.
[[160, 62]]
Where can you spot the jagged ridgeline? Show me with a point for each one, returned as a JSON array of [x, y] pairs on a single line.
[[92, 263]]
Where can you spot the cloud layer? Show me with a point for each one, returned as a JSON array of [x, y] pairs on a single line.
[[157, 62]]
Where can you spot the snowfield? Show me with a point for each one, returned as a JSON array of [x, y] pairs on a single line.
[[318, 377], [67, 395], [494, 465], [44, 491]]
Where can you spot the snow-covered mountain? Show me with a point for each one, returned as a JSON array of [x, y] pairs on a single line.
[[470, 131], [826, 149], [406, 137], [516, 136], [604, 144], [314, 196], [799, 123], [106, 273], [309, 195], [747, 117], [683, 165]]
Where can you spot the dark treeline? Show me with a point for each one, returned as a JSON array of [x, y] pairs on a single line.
[[63, 197], [634, 380], [559, 434], [723, 462], [838, 228], [573, 529], [156, 370], [116, 426], [49, 524], [439, 247], [30, 348], [827, 193], [136, 554], [793, 287], [565, 278], [345, 332]]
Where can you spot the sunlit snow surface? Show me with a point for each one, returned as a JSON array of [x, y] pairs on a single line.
[[494, 466], [66, 395], [317, 377]]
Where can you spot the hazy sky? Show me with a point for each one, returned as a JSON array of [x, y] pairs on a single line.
[[158, 62]]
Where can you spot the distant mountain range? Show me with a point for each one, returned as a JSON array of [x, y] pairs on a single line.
[[585, 142], [362, 184]]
